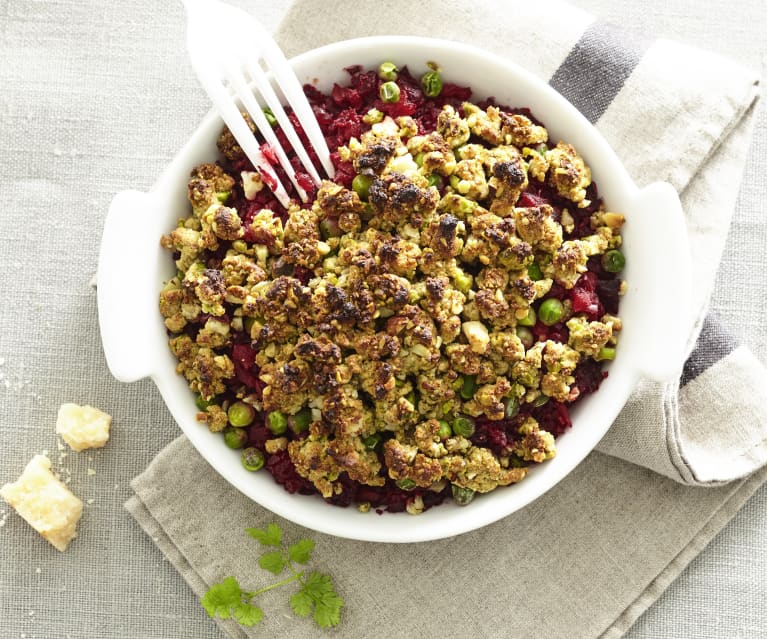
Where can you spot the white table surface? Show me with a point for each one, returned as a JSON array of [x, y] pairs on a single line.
[[723, 591]]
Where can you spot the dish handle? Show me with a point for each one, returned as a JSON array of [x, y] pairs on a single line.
[[128, 314], [665, 314]]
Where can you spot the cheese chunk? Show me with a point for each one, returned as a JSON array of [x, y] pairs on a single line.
[[83, 426], [45, 503]]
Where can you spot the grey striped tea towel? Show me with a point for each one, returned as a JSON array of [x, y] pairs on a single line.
[[590, 556]]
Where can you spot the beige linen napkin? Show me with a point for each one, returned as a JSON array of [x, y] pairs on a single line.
[[590, 556]]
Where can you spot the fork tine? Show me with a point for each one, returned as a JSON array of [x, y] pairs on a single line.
[[294, 94], [244, 93], [244, 136], [264, 87]]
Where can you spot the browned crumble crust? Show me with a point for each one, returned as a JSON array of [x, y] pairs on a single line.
[[414, 292]]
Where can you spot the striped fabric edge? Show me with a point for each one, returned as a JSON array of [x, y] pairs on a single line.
[[590, 77]]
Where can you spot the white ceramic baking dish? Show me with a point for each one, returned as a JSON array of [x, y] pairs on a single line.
[[133, 268]]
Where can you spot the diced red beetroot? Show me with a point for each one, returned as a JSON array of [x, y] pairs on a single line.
[[553, 417], [529, 200], [324, 117], [304, 181], [584, 297], [347, 125], [455, 91], [257, 436], [346, 97], [588, 377], [244, 359], [609, 294], [557, 332], [345, 172], [366, 84], [284, 472], [557, 291]]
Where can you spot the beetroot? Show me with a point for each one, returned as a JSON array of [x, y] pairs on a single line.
[[245, 370]]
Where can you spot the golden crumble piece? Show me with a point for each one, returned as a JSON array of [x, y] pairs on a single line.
[[469, 179], [536, 445], [452, 127], [484, 124], [520, 131], [569, 262], [588, 337], [405, 461], [214, 417], [560, 361], [479, 470], [569, 174], [537, 226], [227, 143]]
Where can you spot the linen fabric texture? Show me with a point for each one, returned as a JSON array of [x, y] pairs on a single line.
[[587, 558]]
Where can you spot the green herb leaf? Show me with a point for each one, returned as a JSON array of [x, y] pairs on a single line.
[[317, 594], [327, 613], [247, 614], [274, 562], [301, 551], [222, 597], [301, 603], [327, 603], [269, 536]]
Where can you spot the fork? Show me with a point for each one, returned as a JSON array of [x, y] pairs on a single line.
[[229, 69]]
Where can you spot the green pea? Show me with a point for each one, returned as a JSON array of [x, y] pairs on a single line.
[[270, 118], [223, 196], [444, 431], [435, 180], [361, 185], [469, 386], [329, 227], [277, 422], [529, 319], [462, 496], [605, 352], [405, 484], [252, 459], [534, 272], [299, 422], [431, 83], [387, 71], [389, 92], [235, 437], [418, 159], [241, 414], [613, 261], [463, 426], [371, 442], [551, 311], [202, 404], [526, 336], [511, 407]]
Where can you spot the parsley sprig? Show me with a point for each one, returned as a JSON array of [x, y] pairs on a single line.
[[228, 600]]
